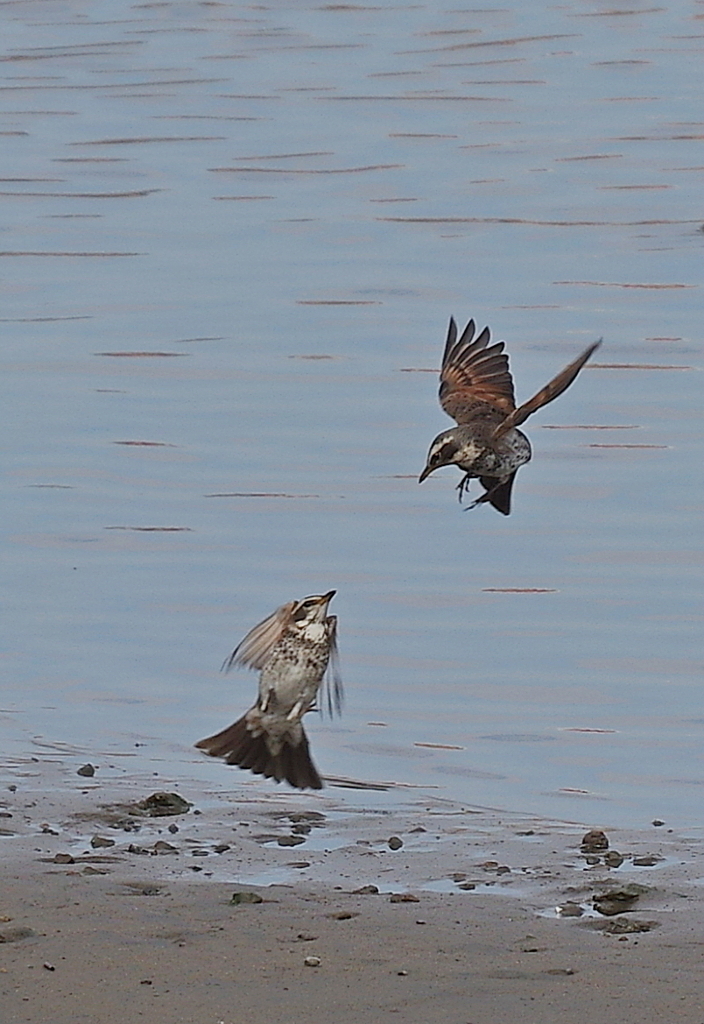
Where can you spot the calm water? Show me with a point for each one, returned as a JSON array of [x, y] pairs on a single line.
[[231, 235]]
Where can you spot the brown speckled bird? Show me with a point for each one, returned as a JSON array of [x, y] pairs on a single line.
[[293, 648], [476, 390]]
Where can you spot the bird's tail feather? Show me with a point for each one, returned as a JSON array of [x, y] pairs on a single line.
[[240, 747], [498, 494]]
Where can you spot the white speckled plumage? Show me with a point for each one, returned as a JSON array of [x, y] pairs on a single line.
[[293, 648], [476, 390]]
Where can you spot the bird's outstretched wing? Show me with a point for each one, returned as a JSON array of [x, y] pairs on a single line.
[[475, 379], [547, 394], [255, 649], [333, 692]]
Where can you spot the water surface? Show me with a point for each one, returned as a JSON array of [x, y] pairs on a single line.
[[232, 238]]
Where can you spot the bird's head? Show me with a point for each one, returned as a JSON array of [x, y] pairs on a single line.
[[443, 452], [311, 609]]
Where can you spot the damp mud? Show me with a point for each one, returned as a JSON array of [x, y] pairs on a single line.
[[256, 902]]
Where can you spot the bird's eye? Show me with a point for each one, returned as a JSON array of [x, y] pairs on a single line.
[[304, 608]]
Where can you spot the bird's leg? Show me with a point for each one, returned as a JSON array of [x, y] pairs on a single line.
[[297, 710], [486, 496], [269, 699], [463, 487], [478, 501]]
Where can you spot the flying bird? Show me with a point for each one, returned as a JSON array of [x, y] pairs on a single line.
[[295, 650], [476, 390]]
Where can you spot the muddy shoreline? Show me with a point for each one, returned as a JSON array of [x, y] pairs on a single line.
[[428, 910]]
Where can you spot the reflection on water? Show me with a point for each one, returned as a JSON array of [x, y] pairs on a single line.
[[227, 232]]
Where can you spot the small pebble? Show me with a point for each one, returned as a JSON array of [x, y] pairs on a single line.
[[98, 841], [570, 909], [395, 843], [290, 840], [403, 897], [160, 847], [657, 822], [312, 961], [15, 934], [594, 840], [402, 974], [613, 859], [246, 897], [87, 770], [627, 926], [48, 967], [160, 804]]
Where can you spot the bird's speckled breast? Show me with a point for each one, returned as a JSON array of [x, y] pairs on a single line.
[[480, 456], [515, 449], [297, 665]]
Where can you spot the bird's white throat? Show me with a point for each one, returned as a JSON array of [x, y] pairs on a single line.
[[314, 631]]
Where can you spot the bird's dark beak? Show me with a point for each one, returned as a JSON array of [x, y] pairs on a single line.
[[327, 598], [426, 473]]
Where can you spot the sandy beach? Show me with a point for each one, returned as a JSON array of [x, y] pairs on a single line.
[[434, 912]]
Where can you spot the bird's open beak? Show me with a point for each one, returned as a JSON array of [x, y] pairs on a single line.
[[426, 473]]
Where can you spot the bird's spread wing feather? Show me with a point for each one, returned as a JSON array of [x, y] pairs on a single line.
[[547, 394], [255, 649], [475, 379], [332, 686]]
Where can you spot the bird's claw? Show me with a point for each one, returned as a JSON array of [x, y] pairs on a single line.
[[478, 501], [463, 487]]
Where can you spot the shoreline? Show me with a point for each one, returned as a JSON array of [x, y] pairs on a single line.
[[123, 911]]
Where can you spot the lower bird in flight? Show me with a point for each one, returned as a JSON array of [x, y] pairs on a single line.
[[476, 390], [295, 649]]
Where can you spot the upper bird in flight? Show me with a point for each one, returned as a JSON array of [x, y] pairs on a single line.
[[476, 390], [293, 649]]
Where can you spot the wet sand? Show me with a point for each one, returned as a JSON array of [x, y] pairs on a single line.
[[140, 921]]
